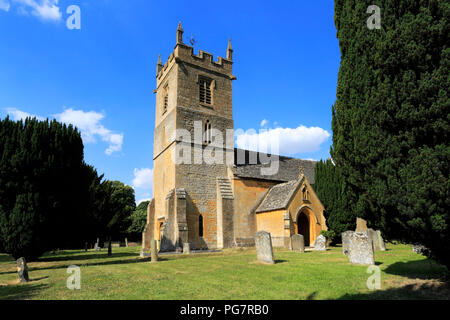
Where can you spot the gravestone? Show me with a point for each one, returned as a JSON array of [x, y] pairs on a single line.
[[321, 243], [346, 241], [377, 239], [22, 270], [154, 250], [361, 225], [420, 249], [97, 245], [264, 250], [360, 249], [186, 248], [381, 241], [297, 243]]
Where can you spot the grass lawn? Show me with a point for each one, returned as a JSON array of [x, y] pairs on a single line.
[[232, 274]]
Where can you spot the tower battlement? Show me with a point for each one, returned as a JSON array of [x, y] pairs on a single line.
[[184, 53]]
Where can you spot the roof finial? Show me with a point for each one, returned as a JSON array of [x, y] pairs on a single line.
[[229, 51], [179, 33], [159, 65]]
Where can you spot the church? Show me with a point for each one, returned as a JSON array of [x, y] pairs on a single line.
[[218, 204]]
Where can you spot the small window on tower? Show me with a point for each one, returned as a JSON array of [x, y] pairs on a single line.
[[205, 86], [207, 136], [166, 99]]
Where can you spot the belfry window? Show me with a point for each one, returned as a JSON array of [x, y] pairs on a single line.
[[207, 135], [205, 86], [200, 226]]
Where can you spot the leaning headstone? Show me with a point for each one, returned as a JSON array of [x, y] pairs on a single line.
[[360, 249], [22, 269], [154, 251], [346, 241], [321, 243], [361, 225], [264, 250], [186, 248], [297, 243]]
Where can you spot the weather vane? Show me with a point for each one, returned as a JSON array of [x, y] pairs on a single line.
[[192, 40]]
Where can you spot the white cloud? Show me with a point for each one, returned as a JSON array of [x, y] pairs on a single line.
[[264, 122], [17, 114], [142, 200], [90, 127], [143, 178], [289, 140], [4, 5], [44, 9]]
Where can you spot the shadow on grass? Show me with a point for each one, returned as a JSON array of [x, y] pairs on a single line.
[[417, 291], [419, 269], [99, 263], [20, 291], [84, 256], [277, 261]]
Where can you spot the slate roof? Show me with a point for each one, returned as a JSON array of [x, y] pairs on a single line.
[[278, 196], [289, 168]]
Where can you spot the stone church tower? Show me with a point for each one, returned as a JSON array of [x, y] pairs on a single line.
[[191, 89], [210, 204]]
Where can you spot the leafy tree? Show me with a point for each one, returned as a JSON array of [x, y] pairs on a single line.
[[391, 118], [138, 220], [331, 189], [119, 206]]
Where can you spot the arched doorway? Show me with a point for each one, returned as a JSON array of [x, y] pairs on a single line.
[[303, 227]]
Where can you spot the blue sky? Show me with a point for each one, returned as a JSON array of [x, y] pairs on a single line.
[[101, 77]]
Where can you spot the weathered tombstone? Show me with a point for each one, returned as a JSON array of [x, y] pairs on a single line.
[[420, 249], [377, 239], [154, 250], [380, 240], [264, 250], [186, 248], [361, 225], [22, 270], [346, 241], [321, 243], [360, 249], [144, 254], [97, 245], [372, 234], [297, 243]]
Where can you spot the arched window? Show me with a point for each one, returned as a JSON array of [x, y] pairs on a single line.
[[200, 226]]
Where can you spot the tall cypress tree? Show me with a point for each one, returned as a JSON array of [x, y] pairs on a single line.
[[391, 118], [332, 191]]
